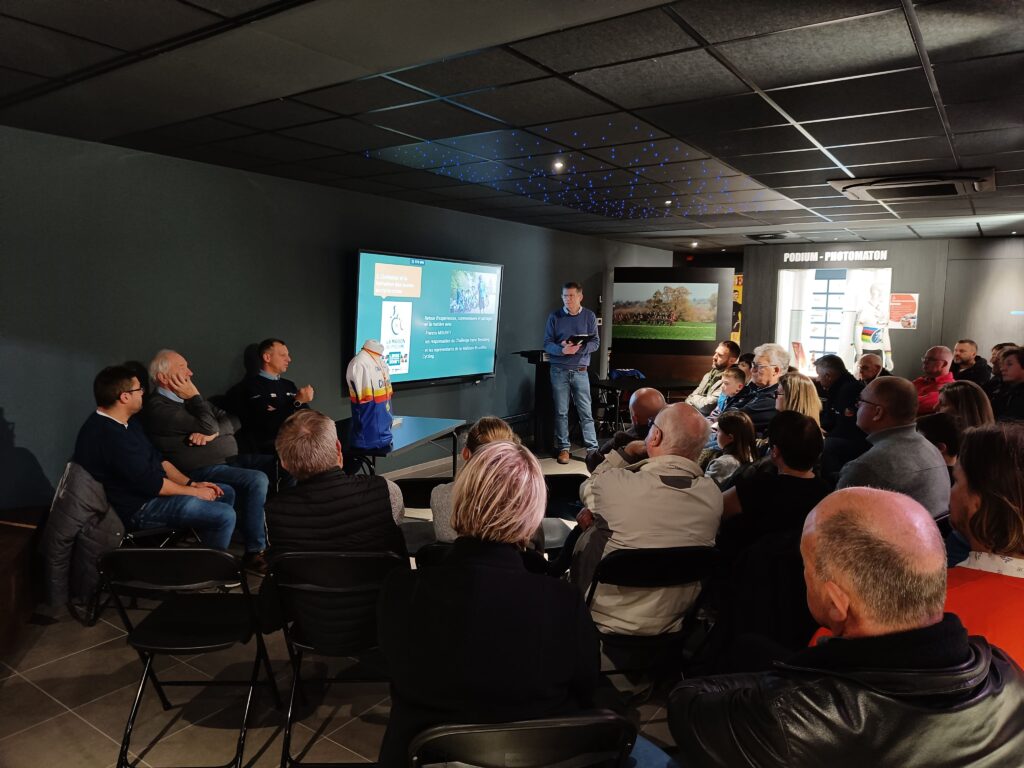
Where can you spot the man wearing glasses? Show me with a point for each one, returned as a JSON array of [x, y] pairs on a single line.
[[935, 364], [900, 458], [145, 491], [758, 398]]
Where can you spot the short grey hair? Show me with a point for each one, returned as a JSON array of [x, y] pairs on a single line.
[[892, 591], [775, 353], [680, 441], [160, 363], [307, 444]]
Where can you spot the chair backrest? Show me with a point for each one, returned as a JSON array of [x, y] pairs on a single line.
[[416, 490], [329, 599], [169, 570], [599, 739], [564, 495], [667, 567], [433, 554]]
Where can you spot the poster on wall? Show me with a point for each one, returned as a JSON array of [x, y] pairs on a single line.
[[737, 307], [903, 311]]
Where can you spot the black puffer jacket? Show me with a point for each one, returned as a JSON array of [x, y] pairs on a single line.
[[81, 528], [818, 710]]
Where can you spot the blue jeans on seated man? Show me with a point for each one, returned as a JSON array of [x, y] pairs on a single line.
[[563, 382], [250, 486], [646, 754], [213, 521]]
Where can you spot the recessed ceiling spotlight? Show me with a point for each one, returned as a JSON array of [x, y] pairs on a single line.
[[669, 202], [723, 250], [693, 244], [835, 238], [1014, 232], [559, 165]]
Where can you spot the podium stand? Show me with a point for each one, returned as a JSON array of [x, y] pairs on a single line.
[[543, 404]]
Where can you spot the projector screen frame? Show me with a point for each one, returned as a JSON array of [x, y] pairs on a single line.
[[352, 344]]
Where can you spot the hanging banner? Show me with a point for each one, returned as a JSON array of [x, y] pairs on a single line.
[[903, 311]]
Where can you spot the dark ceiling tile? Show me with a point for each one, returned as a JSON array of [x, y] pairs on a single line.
[[801, 160], [598, 131], [219, 155], [415, 196], [989, 78], [531, 185], [705, 184], [854, 47], [966, 29], [755, 17], [12, 82], [798, 178], [899, 169], [856, 96], [986, 115], [416, 180], [696, 169], [781, 138], [129, 26], [361, 96], [272, 115], [355, 165], [347, 134], [953, 207], [894, 151], [43, 52], [714, 115], [611, 177], [433, 120], [482, 173], [873, 215], [300, 173], [1011, 178], [747, 196], [200, 131], [988, 142], [274, 147], [425, 155], [569, 164], [509, 201], [1003, 161], [539, 101], [662, 80], [841, 205], [467, 73], [635, 36], [813, 191], [499, 145], [895, 125], [232, 8], [645, 153]]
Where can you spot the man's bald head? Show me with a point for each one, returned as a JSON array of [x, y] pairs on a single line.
[[868, 367], [936, 361], [880, 549], [681, 431], [644, 405], [887, 402]]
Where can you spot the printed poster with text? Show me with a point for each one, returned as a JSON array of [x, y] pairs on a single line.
[[903, 311]]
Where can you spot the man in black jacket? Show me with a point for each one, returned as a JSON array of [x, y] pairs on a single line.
[[968, 365], [899, 683], [269, 399]]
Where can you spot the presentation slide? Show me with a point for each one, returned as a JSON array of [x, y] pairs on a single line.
[[436, 319]]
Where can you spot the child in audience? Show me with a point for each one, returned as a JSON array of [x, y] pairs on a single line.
[[736, 438], [744, 362], [733, 382]]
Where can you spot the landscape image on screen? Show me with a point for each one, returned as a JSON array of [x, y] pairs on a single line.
[[672, 311]]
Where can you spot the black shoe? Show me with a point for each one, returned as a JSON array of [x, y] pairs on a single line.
[[255, 562]]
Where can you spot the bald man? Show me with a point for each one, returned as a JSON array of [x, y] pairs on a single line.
[[900, 458], [899, 683], [869, 367], [936, 365], [644, 405], [649, 494]]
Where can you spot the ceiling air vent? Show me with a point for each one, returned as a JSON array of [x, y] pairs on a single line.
[[928, 185], [769, 236]]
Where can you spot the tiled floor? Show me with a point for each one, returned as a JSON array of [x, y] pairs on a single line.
[[66, 692]]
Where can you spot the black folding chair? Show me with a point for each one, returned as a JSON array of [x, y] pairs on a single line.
[[433, 554], [416, 490], [188, 620], [564, 495], [329, 604], [598, 740], [651, 569]]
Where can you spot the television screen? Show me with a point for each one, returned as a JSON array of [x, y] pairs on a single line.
[[437, 319], [665, 311]]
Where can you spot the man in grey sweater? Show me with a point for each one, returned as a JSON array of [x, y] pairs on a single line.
[[900, 459]]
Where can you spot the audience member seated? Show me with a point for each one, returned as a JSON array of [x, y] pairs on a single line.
[[900, 684], [943, 431], [869, 368], [145, 491], [935, 364], [839, 393], [797, 392], [489, 429], [1009, 404], [198, 438], [966, 402], [987, 507], [967, 365], [733, 382], [769, 502], [328, 510], [745, 362], [705, 397], [735, 438], [644, 405], [758, 398], [478, 638], [899, 459], [992, 386], [649, 494], [270, 399]]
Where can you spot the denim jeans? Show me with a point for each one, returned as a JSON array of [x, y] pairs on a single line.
[[213, 521], [563, 382], [250, 486], [646, 754]]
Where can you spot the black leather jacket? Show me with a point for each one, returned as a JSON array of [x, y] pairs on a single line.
[[970, 713]]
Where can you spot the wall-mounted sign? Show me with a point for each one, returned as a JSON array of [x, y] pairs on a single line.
[[834, 256], [903, 311]]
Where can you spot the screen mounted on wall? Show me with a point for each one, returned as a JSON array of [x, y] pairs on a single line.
[[437, 319]]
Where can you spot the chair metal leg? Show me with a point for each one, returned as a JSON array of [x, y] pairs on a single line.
[[253, 679], [261, 650], [286, 757], [147, 660], [122, 757]]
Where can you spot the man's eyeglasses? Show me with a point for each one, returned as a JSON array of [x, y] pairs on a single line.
[[756, 366], [932, 360], [137, 389], [861, 401]]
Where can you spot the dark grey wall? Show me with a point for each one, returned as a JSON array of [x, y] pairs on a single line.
[[109, 254], [918, 266]]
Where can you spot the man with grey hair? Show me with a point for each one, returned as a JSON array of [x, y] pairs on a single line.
[[900, 458], [898, 683], [649, 494], [757, 399], [328, 510], [869, 367], [198, 438]]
